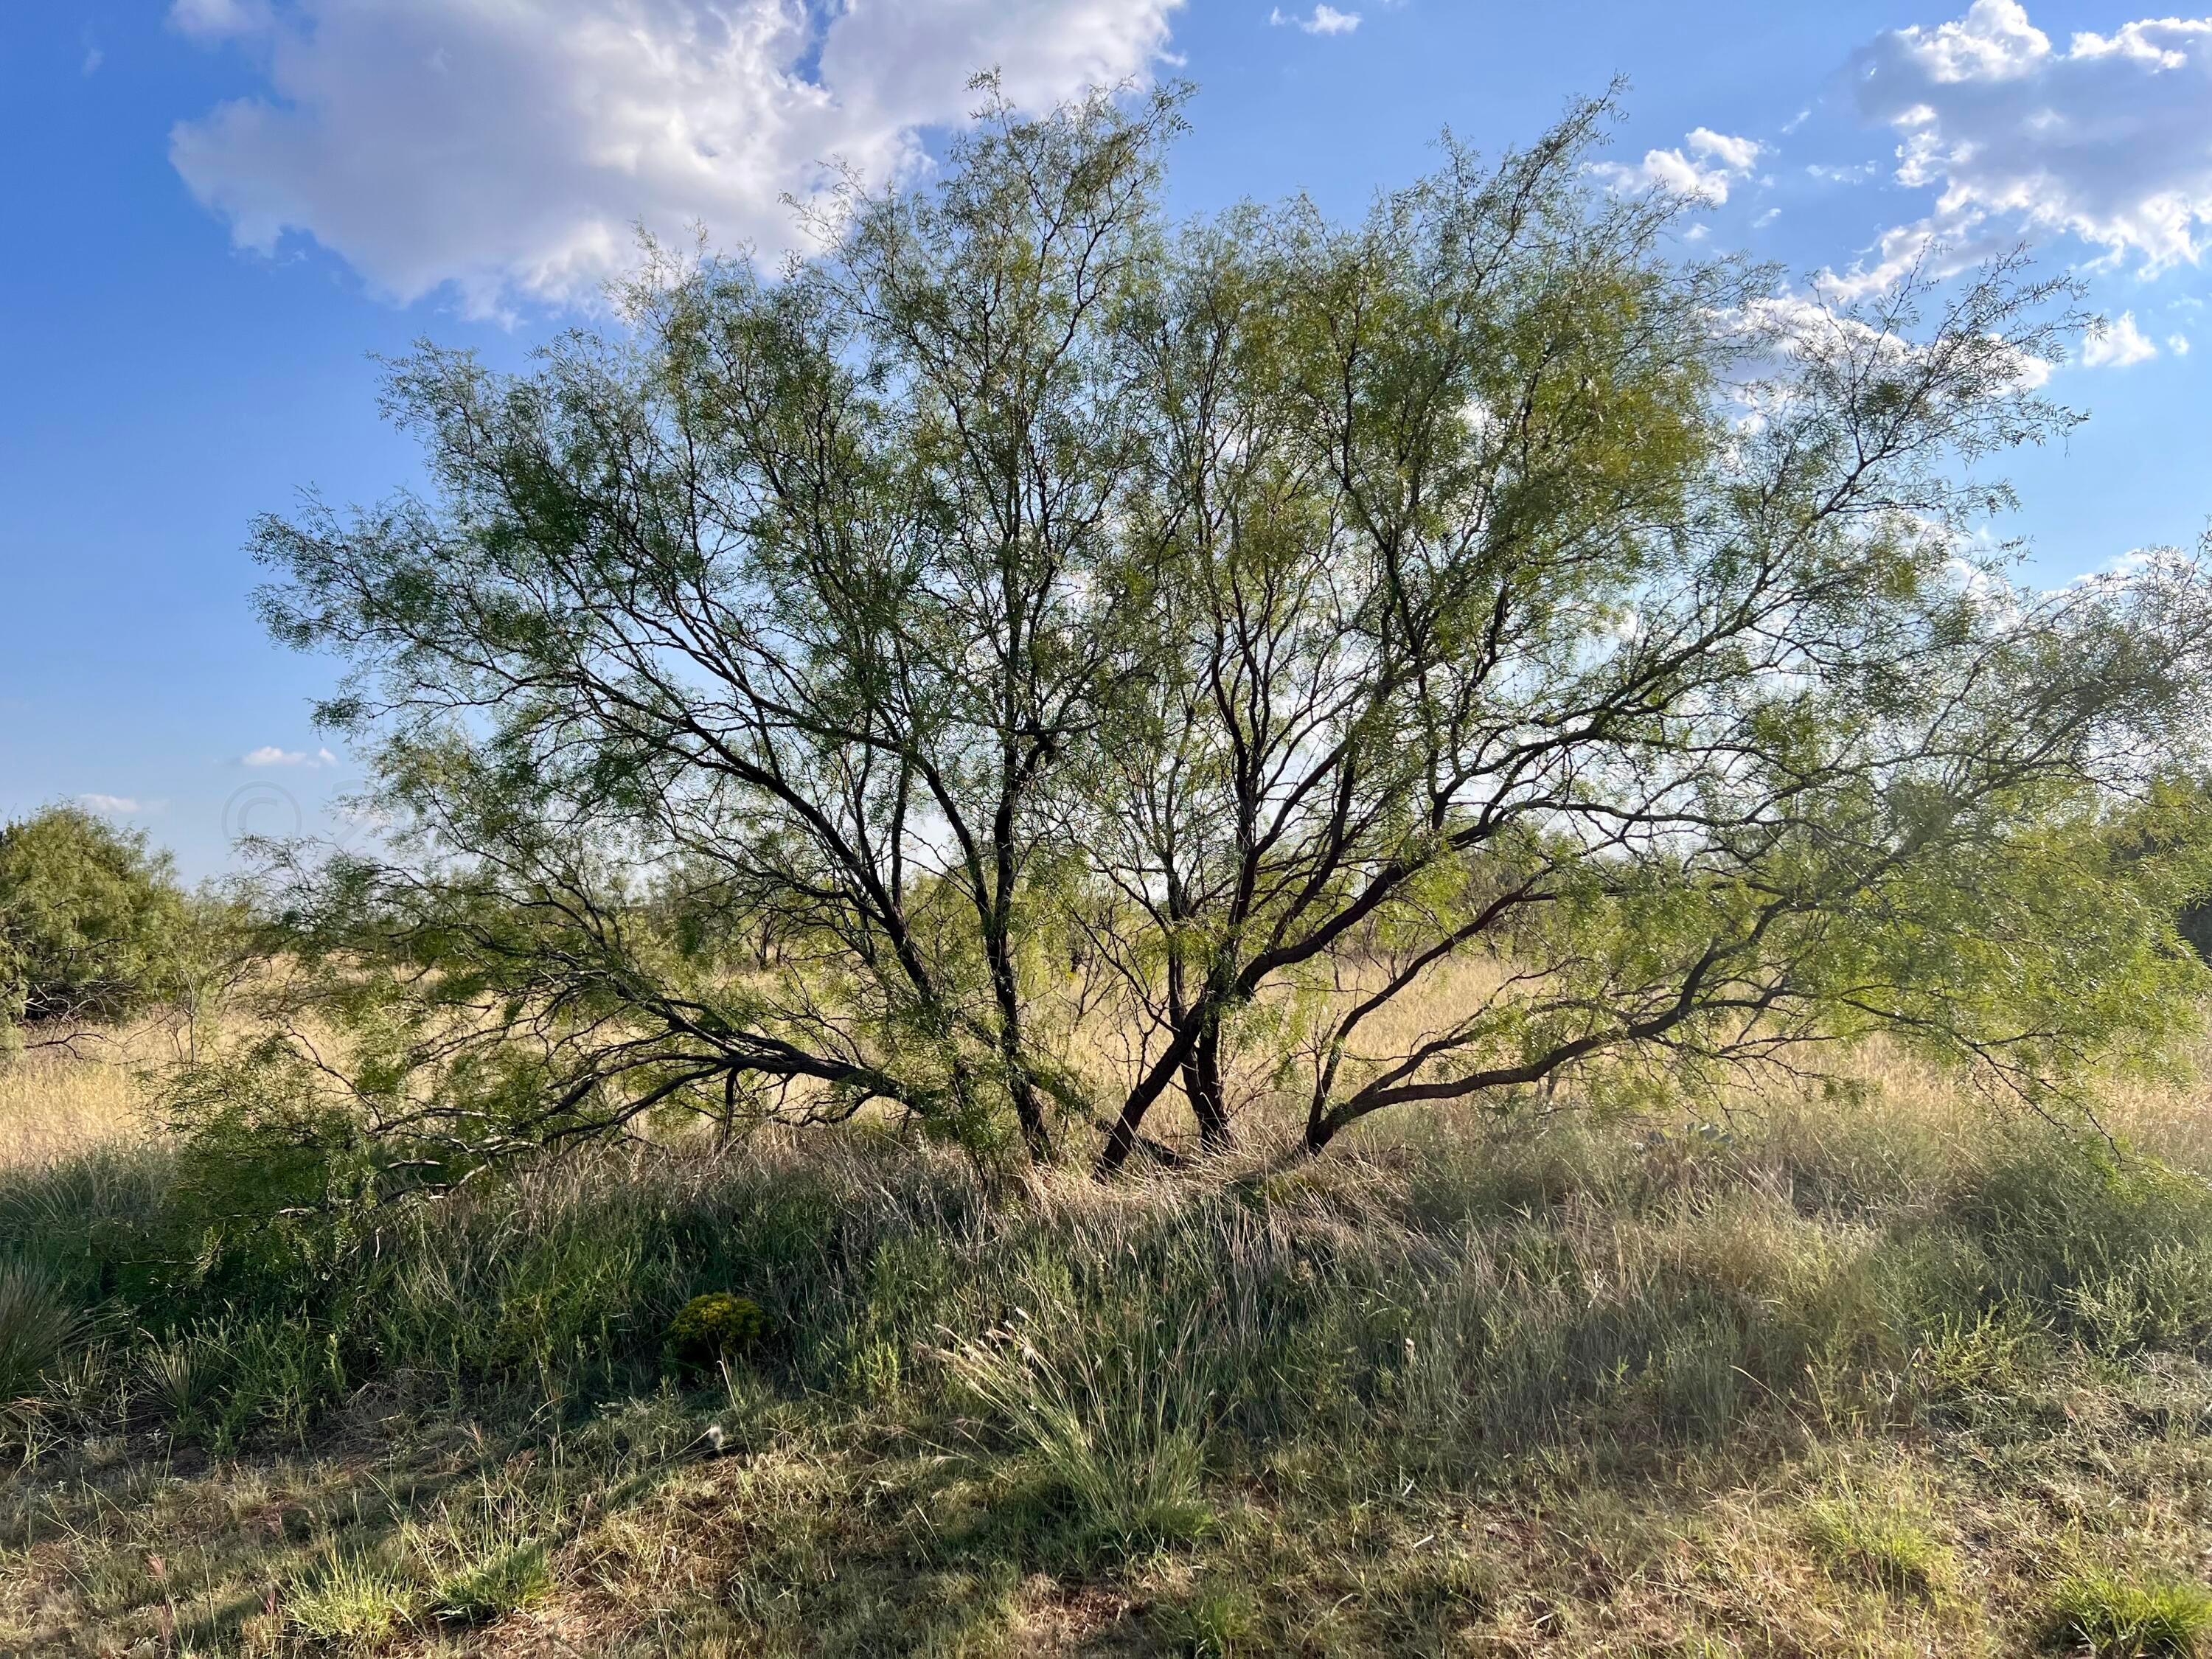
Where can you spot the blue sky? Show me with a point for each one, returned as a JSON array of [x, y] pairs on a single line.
[[223, 207]]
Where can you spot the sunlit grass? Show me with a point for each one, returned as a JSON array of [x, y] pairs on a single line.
[[1859, 1366]]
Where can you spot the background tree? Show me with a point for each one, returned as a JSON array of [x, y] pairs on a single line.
[[91, 925], [1023, 657]]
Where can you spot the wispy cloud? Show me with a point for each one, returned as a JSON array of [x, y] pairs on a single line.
[[216, 20], [271, 755], [121, 806], [1323, 20]]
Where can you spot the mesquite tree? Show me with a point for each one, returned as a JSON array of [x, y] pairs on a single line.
[[1028, 661]]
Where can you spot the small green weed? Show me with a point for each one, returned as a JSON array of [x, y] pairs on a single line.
[[1219, 1622]]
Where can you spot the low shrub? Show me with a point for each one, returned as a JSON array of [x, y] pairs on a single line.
[[716, 1327]]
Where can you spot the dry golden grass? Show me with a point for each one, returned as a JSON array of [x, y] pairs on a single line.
[[56, 1101]]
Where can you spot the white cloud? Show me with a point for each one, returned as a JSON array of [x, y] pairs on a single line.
[[2142, 566], [2108, 140], [271, 755], [1702, 168], [112, 805], [2177, 344], [1324, 20], [510, 149], [2118, 345], [215, 19], [1785, 326], [1730, 153]]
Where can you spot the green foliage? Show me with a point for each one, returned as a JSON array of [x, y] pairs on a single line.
[[92, 925], [716, 1327], [1376, 603], [2110, 1616]]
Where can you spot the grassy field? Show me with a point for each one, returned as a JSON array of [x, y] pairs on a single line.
[[1868, 1370]]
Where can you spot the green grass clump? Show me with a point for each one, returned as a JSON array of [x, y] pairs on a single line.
[[36, 1328], [494, 1585], [2098, 1613], [1110, 1416], [1220, 1621], [349, 1601], [1891, 1546]]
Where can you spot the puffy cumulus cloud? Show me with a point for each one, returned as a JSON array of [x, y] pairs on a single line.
[[2107, 139], [2118, 345], [510, 150], [1702, 167]]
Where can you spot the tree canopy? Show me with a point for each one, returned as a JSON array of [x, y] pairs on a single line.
[[1030, 660], [91, 924]]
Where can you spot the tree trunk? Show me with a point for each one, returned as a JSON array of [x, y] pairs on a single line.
[[1202, 1082]]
